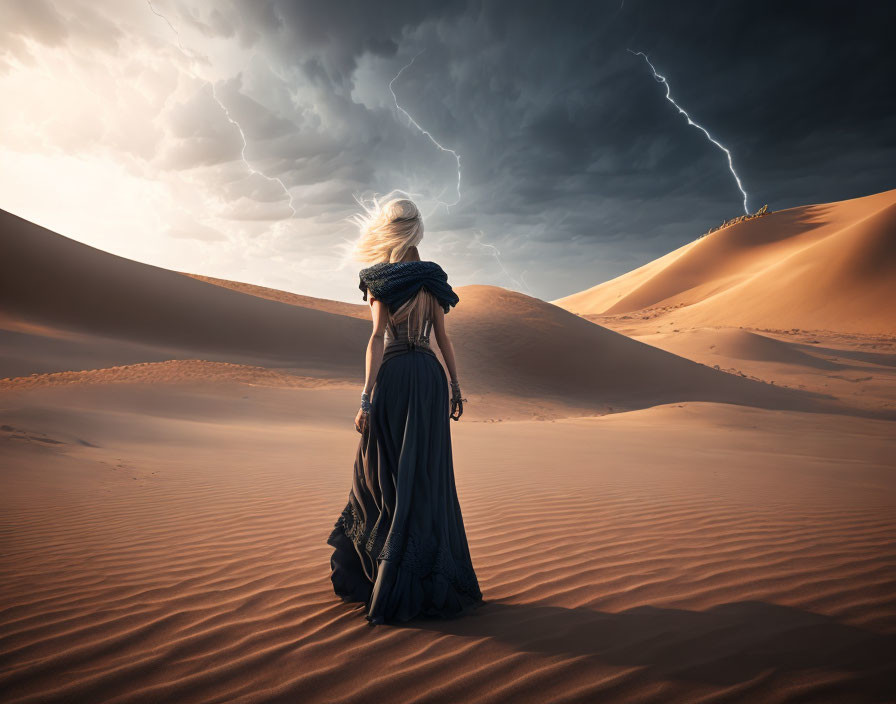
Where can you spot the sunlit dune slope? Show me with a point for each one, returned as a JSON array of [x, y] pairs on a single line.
[[826, 267]]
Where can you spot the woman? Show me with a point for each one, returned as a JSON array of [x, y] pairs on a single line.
[[400, 545]]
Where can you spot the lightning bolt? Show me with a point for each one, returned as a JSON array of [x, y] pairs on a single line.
[[426, 133], [453, 153], [456, 156], [662, 79], [227, 114]]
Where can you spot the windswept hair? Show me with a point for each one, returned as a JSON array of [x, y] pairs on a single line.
[[389, 227]]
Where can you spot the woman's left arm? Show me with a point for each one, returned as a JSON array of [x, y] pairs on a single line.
[[374, 356]]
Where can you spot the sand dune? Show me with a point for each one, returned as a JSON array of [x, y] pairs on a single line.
[[827, 267], [175, 452], [855, 375], [178, 371], [51, 279], [735, 343], [553, 358], [355, 310], [519, 345]]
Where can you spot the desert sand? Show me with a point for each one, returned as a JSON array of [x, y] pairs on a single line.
[[819, 267], [671, 494]]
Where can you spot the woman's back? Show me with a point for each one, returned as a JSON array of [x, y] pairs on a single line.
[[399, 332], [410, 325]]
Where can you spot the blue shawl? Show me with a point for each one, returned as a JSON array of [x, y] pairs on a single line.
[[394, 283]]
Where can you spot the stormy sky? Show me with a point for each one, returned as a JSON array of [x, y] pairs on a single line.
[[127, 133]]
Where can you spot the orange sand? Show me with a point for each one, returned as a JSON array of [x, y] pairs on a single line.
[[692, 516], [819, 267]]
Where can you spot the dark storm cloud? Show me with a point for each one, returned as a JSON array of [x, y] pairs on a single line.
[[563, 132], [571, 154]]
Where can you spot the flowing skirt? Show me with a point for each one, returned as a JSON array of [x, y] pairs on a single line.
[[399, 544]]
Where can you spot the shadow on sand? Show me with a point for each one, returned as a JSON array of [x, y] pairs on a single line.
[[723, 646]]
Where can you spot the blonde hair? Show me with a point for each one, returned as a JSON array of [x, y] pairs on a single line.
[[388, 229], [421, 307]]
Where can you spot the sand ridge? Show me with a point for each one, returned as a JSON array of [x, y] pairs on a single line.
[[825, 267], [177, 371]]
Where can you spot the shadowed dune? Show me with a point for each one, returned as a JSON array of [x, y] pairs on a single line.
[[507, 343], [51, 279], [521, 345], [354, 310]]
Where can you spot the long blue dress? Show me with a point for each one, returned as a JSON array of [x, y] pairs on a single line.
[[399, 544]]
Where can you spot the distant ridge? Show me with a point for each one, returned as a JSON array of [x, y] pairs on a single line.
[[824, 267]]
